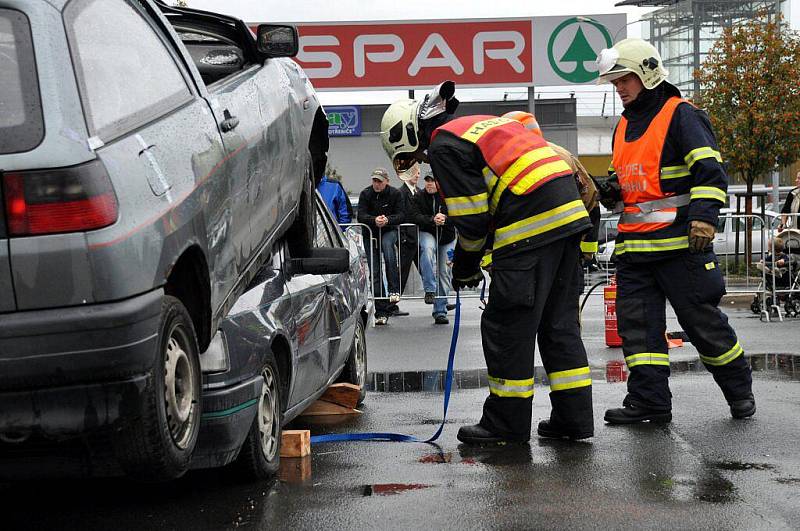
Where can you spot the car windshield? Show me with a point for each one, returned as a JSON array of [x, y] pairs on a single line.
[[21, 124]]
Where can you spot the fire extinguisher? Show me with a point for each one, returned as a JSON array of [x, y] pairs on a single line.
[[610, 305]]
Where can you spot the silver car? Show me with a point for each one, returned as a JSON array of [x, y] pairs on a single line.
[[150, 158]]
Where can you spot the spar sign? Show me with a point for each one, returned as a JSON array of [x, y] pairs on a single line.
[[379, 55], [541, 51]]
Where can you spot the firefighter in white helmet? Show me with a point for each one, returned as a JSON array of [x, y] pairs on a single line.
[[668, 182], [507, 190]]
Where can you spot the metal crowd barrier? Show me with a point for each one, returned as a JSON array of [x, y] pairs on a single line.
[[772, 295]]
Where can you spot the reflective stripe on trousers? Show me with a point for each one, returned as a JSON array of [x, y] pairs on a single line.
[[724, 359], [570, 379], [511, 388]]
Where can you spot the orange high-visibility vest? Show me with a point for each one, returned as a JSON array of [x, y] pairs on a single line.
[[516, 158], [638, 167]]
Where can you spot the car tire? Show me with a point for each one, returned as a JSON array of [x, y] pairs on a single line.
[[159, 444], [301, 233], [355, 368], [260, 455]]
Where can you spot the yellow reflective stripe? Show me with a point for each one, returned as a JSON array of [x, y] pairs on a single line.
[[674, 172], [540, 223], [724, 359], [511, 388], [701, 153], [647, 358], [486, 261], [471, 245], [465, 206], [611, 169], [532, 157], [589, 247], [708, 192], [542, 172], [648, 246], [478, 129], [571, 379]]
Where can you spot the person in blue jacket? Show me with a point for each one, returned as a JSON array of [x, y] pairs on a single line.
[[335, 198]]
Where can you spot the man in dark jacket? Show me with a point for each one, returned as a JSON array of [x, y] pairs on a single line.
[[380, 207], [437, 237], [669, 181], [505, 188], [408, 245]]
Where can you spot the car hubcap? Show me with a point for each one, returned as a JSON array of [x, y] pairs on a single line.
[[268, 416], [179, 389], [361, 359]]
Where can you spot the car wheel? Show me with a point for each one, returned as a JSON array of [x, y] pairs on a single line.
[[355, 369], [158, 446], [301, 234], [260, 455]]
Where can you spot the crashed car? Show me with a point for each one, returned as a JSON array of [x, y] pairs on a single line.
[[150, 159], [298, 328]]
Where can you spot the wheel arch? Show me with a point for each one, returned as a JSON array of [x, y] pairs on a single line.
[[188, 281]]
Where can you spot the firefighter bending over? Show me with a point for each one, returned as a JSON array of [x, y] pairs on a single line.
[[507, 190], [667, 178]]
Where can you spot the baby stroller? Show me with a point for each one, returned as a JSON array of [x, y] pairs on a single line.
[[782, 273]]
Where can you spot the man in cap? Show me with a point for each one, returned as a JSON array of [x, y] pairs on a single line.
[[380, 207], [507, 190], [668, 181]]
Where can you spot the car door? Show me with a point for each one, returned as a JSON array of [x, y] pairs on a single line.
[[342, 292], [312, 321]]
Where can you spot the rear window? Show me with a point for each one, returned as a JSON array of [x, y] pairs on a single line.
[[21, 124]]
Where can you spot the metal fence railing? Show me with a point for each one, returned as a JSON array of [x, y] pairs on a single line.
[[767, 266]]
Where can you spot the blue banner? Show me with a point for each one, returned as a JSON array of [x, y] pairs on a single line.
[[344, 121]]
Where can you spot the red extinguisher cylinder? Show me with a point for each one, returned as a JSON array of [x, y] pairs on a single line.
[[610, 306]]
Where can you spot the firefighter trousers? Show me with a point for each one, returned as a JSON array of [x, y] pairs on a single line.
[[535, 295], [693, 284]]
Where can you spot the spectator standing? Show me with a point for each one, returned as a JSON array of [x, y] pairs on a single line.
[[437, 237], [380, 207], [792, 206], [335, 198], [408, 245]]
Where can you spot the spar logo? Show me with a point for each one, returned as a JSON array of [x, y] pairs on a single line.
[[573, 47]]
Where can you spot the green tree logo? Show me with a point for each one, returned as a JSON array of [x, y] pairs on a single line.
[[578, 52]]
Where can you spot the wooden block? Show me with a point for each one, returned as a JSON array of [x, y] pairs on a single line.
[[295, 469], [344, 394], [320, 407], [295, 443]]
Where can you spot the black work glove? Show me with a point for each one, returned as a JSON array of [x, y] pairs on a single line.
[[609, 190], [472, 281], [466, 269]]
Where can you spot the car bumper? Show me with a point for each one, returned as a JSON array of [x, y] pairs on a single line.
[[70, 370]]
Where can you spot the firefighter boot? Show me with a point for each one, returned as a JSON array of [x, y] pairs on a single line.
[[478, 435], [552, 430], [741, 409], [630, 414]]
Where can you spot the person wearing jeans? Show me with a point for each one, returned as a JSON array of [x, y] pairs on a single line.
[[380, 207], [436, 237]]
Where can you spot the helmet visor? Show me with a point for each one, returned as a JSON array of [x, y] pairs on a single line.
[[403, 162]]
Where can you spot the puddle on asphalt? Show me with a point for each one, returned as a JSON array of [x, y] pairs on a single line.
[[737, 465], [436, 458], [771, 366], [388, 489]]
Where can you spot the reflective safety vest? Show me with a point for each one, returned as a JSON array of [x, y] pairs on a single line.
[[521, 162], [638, 167]]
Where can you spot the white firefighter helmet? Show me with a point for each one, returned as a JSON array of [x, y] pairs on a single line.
[[400, 128], [400, 125], [634, 56]]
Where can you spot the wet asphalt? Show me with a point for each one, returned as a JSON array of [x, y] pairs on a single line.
[[704, 470]]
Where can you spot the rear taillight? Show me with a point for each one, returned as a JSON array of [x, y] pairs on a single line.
[[74, 199]]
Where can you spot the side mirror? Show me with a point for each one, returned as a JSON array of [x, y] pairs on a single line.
[[322, 261], [277, 41]]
